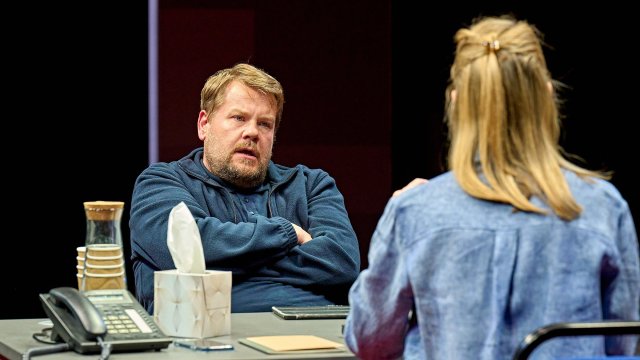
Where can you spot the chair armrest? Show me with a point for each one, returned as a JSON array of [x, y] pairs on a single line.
[[538, 336]]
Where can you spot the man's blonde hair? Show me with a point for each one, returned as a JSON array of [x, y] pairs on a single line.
[[214, 90]]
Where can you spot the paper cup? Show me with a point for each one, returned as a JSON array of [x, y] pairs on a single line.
[[104, 255], [80, 277], [101, 268], [96, 281], [103, 250]]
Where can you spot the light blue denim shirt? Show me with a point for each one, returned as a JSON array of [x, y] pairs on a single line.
[[481, 275]]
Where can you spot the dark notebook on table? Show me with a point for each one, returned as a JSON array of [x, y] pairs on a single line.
[[311, 312]]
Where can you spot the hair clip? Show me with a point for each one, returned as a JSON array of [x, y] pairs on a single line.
[[492, 45]]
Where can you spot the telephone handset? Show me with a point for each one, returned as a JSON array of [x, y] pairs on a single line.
[[91, 322], [113, 315]]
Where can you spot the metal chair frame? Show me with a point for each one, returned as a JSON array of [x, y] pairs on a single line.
[[540, 335]]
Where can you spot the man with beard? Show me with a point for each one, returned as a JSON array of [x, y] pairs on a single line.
[[284, 232]]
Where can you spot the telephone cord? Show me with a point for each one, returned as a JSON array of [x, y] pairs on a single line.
[[45, 350], [106, 349]]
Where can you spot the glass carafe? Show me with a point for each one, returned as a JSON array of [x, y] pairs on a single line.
[[104, 264]]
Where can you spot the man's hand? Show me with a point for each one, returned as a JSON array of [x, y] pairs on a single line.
[[415, 182], [303, 236]]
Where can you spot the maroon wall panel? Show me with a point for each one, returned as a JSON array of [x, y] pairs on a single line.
[[192, 45]]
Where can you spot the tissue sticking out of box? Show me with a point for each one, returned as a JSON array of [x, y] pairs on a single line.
[[183, 239], [190, 301]]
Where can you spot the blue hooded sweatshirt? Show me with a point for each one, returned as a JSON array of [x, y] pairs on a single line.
[[269, 267]]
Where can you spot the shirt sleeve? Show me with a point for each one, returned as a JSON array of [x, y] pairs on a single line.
[[622, 297], [332, 257], [381, 299]]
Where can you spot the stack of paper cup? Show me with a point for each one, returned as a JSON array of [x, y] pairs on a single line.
[[104, 268], [80, 267]]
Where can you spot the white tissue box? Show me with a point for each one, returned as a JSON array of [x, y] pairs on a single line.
[[192, 305]]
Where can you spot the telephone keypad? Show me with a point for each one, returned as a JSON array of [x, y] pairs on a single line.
[[123, 322]]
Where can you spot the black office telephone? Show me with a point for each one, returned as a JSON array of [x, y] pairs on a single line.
[[114, 316]]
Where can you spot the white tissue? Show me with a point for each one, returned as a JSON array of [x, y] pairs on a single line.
[[183, 239]]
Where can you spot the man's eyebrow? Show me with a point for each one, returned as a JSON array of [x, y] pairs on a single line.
[[267, 117], [242, 111]]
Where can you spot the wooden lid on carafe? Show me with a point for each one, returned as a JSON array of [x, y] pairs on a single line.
[[103, 210]]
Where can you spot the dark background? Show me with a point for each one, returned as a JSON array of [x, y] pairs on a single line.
[[364, 85]]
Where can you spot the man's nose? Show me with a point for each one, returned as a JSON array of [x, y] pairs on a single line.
[[251, 129]]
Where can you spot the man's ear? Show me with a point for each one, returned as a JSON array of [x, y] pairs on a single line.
[[550, 86], [454, 95], [203, 124]]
